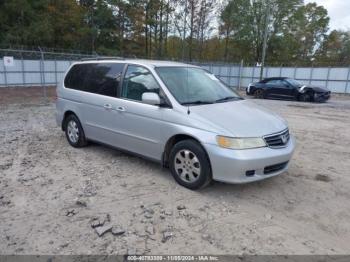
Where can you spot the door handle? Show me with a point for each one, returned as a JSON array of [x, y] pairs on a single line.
[[107, 106], [121, 109]]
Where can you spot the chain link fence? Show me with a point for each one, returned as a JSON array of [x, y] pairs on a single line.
[[35, 68], [45, 68]]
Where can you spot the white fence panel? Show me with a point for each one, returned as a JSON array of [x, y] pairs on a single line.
[[288, 72], [273, 72], [320, 73], [338, 73], [31, 65], [34, 72]]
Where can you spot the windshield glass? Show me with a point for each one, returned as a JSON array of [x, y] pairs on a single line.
[[191, 85], [293, 82]]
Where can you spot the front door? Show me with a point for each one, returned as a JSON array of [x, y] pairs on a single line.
[[139, 124], [278, 89]]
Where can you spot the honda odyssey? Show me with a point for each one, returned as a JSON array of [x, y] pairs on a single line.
[[179, 115]]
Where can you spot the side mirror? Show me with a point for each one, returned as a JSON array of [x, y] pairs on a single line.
[[151, 98]]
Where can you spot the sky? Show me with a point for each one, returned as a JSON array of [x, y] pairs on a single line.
[[338, 11]]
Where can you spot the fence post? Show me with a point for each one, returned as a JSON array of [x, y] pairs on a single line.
[[23, 73], [295, 72], [5, 74], [280, 70], [56, 72], [329, 69], [347, 82], [240, 75], [42, 74], [311, 74], [253, 75], [267, 72], [229, 75]]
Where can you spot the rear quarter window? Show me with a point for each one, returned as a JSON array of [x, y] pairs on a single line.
[[97, 78]]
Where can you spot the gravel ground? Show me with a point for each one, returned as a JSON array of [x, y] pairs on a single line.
[[52, 194]]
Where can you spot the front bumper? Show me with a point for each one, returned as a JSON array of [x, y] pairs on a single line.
[[236, 166], [322, 97]]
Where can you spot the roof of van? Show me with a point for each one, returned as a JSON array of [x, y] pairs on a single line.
[[154, 63]]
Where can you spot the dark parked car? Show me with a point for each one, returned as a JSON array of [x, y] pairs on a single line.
[[287, 88]]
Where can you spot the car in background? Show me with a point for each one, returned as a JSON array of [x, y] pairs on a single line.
[[287, 88]]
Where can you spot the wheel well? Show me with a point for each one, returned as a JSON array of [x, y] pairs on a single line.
[[66, 114], [171, 142], [308, 91]]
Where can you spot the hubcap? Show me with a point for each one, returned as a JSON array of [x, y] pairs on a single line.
[[73, 131], [258, 93], [187, 165]]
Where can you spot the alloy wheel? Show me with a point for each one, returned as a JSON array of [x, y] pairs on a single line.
[[73, 131], [187, 165]]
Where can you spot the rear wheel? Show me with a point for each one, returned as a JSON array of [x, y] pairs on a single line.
[[190, 165], [74, 131], [259, 93]]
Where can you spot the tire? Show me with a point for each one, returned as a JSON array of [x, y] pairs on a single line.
[[306, 97], [189, 165], [259, 93], [74, 131]]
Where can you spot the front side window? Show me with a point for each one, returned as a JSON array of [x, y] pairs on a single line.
[[190, 85], [275, 82], [138, 80], [293, 82]]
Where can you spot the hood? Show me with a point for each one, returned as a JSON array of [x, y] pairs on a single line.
[[317, 89], [240, 118]]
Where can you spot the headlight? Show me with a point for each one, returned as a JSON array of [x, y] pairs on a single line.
[[240, 143]]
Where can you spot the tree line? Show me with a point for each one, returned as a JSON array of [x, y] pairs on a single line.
[[193, 30]]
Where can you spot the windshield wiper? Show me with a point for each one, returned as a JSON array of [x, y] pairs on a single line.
[[198, 102], [228, 98]]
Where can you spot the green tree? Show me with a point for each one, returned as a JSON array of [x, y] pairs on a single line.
[[308, 26], [335, 48], [67, 28], [24, 22]]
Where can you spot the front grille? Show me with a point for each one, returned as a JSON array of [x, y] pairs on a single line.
[[325, 94], [278, 140], [274, 168]]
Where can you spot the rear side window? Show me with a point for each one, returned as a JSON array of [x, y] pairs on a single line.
[[276, 82], [97, 78]]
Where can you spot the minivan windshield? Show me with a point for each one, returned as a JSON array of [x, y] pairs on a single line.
[[195, 86]]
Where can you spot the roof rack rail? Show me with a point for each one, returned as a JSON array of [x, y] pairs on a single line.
[[102, 58]]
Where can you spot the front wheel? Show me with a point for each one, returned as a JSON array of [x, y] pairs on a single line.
[[306, 97], [190, 165]]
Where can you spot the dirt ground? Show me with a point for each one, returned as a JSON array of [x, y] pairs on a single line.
[[52, 194]]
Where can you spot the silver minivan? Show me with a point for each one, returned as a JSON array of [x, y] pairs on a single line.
[[179, 115]]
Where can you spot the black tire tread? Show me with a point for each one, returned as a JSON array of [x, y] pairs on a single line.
[[256, 93], [82, 142], [206, 173]]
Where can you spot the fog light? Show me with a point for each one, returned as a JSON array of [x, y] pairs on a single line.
[[250, 173]]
